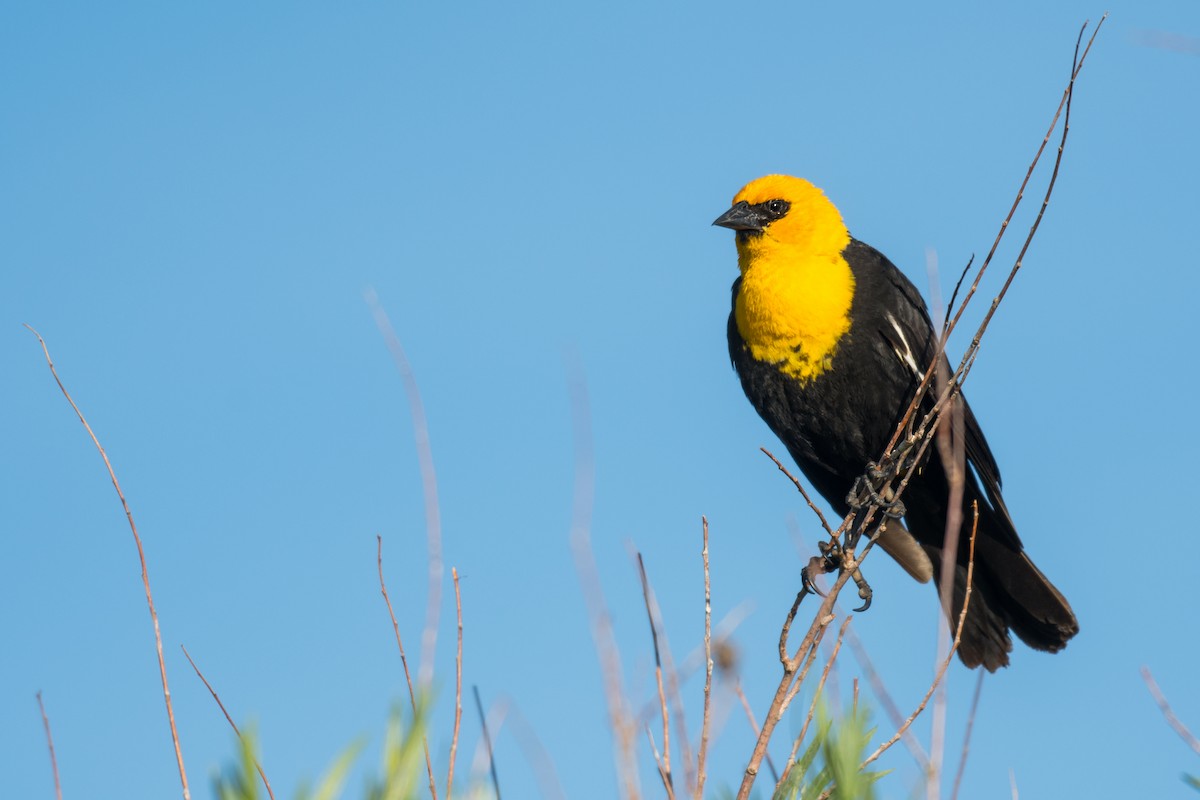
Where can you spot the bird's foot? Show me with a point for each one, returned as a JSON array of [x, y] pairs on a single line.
[[835, 558]]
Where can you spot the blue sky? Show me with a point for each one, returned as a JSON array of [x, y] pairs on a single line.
[[196, 198]]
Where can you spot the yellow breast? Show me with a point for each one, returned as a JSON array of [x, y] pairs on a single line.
[[792, 309]]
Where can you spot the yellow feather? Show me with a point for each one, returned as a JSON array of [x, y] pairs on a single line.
[[794, 302]]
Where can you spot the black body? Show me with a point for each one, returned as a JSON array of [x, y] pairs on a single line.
[[835, 424]]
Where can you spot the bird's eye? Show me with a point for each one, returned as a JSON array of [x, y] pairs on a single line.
[[777, 208]]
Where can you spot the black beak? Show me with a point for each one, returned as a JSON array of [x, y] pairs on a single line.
[[743, 217]]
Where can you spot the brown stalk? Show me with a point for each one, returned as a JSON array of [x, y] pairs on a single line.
[[669, 675], [799, 488], [664, 763], [806, 652], [962, 761], [952, 446], [457, 686], [737, 688], [812, 707], [412, 695], [708, 670], [228, 718], [162, 664], [937, 679], [50, 745], [487, 740], [593, 593], [1188, 737], [535, 752], [663, 769], [873, 677], [885, 698], [433, 514], [960, 373]]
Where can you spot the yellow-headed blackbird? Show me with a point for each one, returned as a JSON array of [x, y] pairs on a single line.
[[830, 341]]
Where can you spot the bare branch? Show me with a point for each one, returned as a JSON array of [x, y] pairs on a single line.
[[487, 739], [50, 745], [800, 488], [433, 514], [812, 707], [162, 664], [593, 594], [228, 718], [1188, 737], [664, 763], [937, 679], [708, 669], [737, 688], [457, 686], [962, 761], [412, 695]]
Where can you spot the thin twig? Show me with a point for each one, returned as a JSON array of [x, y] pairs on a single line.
[[667, 677], [962, 761], [589, 579], [812, 707], [951, 442], [959, 374], [664, 764], [229, 719], [800, 488], [805, 653], [457, 686], [885, 698], [162, 664], [536, 754], [922, 438], [1188, 737], [487, 739], [412, 695], [873, 677], [708, 669], [741, 695], [663, 773], [433, 515], [937, 679], [50, 745]]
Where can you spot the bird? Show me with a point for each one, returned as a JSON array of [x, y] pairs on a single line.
[[830, 342]]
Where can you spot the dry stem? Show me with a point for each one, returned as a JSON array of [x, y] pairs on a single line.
[[812, 707], [962, 761], [457, 686], [162, 664], [664, 763], [228, 718], [799, 488], [50, 745], [593, 593], [1188, 737], [433, 516], [487, 740], [412, 695], [937, 679], [708, 669]]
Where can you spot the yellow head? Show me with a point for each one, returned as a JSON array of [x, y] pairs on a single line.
[[782, 216], [793, 301]]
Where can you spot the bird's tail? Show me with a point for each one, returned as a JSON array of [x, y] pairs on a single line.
[[1008, 591]]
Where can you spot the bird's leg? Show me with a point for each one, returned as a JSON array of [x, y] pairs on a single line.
[[834, 558], [864, 590], [829, 561], [873, 489]]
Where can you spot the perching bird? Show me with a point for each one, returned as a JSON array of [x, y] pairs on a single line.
[[830, 342]]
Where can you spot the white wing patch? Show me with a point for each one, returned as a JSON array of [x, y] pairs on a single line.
[[906, 354]]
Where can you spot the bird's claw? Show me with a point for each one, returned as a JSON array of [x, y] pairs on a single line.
[[864, 591]]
